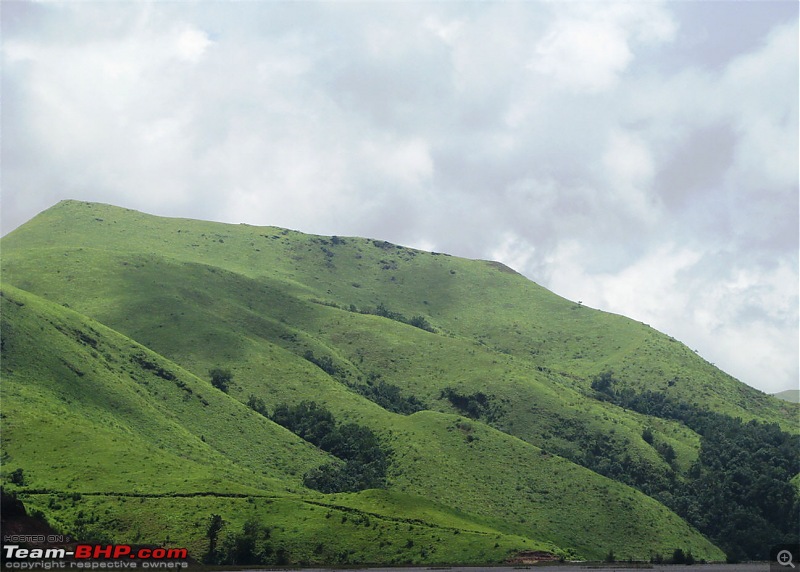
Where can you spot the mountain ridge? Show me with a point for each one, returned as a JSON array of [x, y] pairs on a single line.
[[507, 369], [791, 395]]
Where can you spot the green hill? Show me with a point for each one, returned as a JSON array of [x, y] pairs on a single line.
[[790, 395], [108, 434], [476, 381]]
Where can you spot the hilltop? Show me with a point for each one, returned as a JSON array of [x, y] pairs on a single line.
[[791, 395], [514, 420]]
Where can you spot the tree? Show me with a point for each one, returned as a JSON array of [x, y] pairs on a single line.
[[308, 420], [604, 382], [388, 396], [257, 404], [325, 363], [215, 524], [473, 406], [739, 491], [421, 322], [220, 378], [247, 547], [329, 478], [17, 477], [667, 452]]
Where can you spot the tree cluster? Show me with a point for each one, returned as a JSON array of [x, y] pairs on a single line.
[[257, 404], [363, 460], [738, 493], [325, 363], [375, 389], [475, 406], [418, 321], [388, 396], [250, 546]]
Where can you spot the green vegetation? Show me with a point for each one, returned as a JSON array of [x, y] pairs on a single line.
[[475, 405], [365, 460], [141, 357], [738, 492], [70, 384], [418, 321], [388, 396], [220, 378]]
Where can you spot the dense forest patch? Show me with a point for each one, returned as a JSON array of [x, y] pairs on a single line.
[[365, 459], [738, 492]]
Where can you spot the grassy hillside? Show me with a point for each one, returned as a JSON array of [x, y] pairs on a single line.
[[118, 444], [509, 444], [92, 415], [72, 384], [457, 296]]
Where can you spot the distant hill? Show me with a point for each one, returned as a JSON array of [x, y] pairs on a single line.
[[515, 421], [790, 395]]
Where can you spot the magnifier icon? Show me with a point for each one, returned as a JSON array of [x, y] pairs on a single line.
[[785, 558]]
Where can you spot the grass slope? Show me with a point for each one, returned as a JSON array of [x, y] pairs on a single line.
[[459, 296], [256, 299], [436, 454], [118, 444], [129, 420]]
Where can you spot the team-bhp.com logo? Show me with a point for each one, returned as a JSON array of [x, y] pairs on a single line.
[[93, 556]]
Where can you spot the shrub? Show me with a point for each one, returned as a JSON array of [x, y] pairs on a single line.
[[220, 378], [17, 477], [388, 396], [666, 451], [474, 406], [325, 363], [421, 323], [417, 321], [604, 383], [257, 404]]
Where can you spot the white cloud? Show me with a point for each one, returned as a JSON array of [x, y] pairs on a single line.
[[406, 162], [514, 251], [582, 55], [448, 31], [629, 167], [192, 44], [765, 111], [648, 288], [548, 135], [741, 318], [588, 46]]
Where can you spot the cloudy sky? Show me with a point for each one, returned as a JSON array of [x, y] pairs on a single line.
[[641, 157]]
